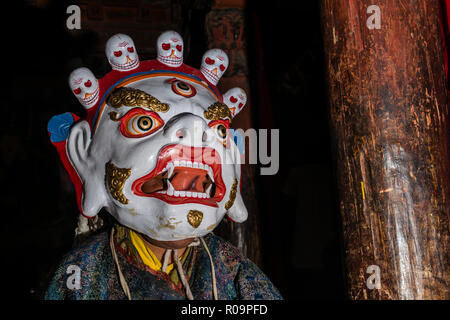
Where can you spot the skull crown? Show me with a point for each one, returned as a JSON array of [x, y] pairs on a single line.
[[123, 58]]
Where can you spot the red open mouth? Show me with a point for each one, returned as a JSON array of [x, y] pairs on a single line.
[[184, 174]]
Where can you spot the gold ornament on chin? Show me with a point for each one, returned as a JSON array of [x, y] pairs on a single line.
[[195, 217]]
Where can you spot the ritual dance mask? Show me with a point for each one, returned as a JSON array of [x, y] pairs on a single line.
[[154, 148]]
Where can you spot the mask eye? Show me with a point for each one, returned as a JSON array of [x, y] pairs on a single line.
[[221, 131], [182, 88], [130, 49], [77, 90], [138, 123], [117, 53], [221, 128]]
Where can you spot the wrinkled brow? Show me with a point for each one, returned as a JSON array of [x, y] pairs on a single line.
[[131, 97]]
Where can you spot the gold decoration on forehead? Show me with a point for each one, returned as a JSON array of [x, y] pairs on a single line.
[[233, 191], [195, 217], [115, 179], [218, 111], [131, 97]]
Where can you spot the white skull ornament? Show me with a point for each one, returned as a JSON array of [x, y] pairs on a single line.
[[214, 64], [121, 53], [84, 86], [170, 48], [235, 99]]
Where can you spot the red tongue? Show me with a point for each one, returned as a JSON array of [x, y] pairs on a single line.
[[188, 179]]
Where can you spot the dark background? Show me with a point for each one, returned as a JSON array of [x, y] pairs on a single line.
[[300, 229]]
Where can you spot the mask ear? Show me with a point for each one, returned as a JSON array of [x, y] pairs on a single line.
[[78, 142], [237, 212]]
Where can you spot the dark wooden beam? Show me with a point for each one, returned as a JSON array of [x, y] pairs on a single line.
[[389, 116]]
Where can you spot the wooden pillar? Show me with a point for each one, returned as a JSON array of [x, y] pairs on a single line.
[[225, 29], [389, 116]]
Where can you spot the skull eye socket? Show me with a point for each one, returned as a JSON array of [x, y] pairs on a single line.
[[77, 90], [179, 47], [222, 67], [130, 49], [88, 83], [233, 99], [182, 88], [117, 53], [209, 61], [166, 46], [138, 123]]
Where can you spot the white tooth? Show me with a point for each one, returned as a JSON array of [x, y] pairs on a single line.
[[206, 167], [176, 193], [182, 163], [163, 192], [204, 195], [194, 194], [188, 194], [170, 168], [189, 164], [176, 163], [211, 173], [182, 193], [200, 165], [195, 165], [209, 189], [170, 189]]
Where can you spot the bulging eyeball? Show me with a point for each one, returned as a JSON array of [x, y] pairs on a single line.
[[170, 49], [121, 53], [235, 99], [84, 86], [214, 64]]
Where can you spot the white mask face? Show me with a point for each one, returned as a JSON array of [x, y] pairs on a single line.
[[166, 167]]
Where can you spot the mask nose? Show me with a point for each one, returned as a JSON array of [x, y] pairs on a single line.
[[188, 129]]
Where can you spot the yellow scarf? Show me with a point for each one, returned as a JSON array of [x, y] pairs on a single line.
[[147, 256]]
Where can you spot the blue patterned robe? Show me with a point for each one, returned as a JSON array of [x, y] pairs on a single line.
[[237, 277]]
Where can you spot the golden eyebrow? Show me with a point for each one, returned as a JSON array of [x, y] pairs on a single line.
[[218, 110], [131, 97]]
